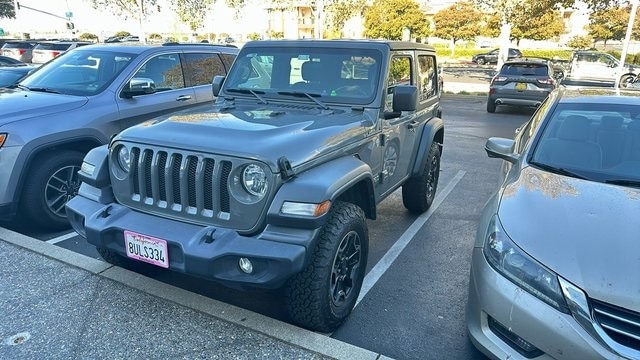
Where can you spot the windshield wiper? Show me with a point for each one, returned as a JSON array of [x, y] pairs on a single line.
[[42, 89], [624, 182], [249, 91], [557, 170], [311, 96]]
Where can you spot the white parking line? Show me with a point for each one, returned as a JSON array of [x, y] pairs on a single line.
[[381, 267], [62, 238]]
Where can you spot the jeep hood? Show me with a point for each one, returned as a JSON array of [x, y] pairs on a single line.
[[261, 134], [582, 230], [19, 104]]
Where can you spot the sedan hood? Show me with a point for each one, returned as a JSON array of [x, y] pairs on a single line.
[[262, 134], [586, 232], [19, 104]]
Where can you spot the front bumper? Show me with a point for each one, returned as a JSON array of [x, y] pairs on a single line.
[[276, 253], [552, 334]]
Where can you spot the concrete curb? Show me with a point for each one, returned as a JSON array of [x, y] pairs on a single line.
[[293, 335]]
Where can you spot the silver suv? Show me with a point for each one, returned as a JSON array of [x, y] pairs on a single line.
[[81, 99]]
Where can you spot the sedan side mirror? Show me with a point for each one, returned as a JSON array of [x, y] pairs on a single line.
[[501, 148]]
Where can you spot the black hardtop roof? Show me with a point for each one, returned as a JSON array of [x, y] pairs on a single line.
[[358, 43]]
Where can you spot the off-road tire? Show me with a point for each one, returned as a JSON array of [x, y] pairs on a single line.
[[491, 106], [322, 296], [37, 197], [419, 191]]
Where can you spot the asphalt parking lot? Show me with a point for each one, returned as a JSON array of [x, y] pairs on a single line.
[[412, 303]]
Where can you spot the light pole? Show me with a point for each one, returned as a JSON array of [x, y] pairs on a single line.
[[627, 38]]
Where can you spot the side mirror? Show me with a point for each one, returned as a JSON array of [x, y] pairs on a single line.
[[501, 148], [138, 86], [405, 98], [218, 80]]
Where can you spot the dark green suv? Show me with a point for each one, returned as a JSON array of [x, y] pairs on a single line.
[[270, 187]]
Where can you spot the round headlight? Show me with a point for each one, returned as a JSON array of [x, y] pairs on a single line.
[[254, 180], [124, 158]]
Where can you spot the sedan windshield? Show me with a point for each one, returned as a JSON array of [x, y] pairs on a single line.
[[83, 72], [319, 75], [600, 142]]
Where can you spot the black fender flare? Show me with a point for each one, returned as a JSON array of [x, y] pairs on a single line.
[[328, 181], [432, 131]]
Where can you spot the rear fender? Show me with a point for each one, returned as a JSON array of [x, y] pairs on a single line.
[[432, 131]]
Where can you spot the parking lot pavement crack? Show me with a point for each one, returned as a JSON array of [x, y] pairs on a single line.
[[90, 309]]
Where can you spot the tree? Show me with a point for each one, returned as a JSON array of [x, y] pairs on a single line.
[[155, 37], [580, 42], [490, 26], [254, 36], [136, 9], [127, 9], [460, 21], [192, 12], [88, 37], [609, 24], [388, 18], [339, 12], [536, 24], [505, 9], [122, 34], [7, 10]]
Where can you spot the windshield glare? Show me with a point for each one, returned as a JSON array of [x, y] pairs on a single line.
[[329, 74], [598, 141], [80, 72]]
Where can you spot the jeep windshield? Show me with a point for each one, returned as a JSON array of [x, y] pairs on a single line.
[[83, 72], [320, 75]]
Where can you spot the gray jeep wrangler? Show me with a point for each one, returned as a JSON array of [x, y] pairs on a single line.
[[271, 185]]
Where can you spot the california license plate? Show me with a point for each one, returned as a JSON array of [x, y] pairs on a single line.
[[521, 86], [146, 248]]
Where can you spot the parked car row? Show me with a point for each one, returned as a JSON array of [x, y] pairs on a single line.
[[542, 282], [38, 52]]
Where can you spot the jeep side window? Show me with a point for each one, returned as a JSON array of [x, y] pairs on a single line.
[[399, 74], [428, 77], [164, 70], [201, 68]]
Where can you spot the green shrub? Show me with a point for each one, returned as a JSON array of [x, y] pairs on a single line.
[[88, 37]]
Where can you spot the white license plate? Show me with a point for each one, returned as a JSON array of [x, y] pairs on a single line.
[[146, 248]]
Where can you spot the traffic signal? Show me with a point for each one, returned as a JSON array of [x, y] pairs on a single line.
[[18, 5], [70, 25]]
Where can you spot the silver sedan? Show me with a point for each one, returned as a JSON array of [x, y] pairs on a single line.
[[555, 269]]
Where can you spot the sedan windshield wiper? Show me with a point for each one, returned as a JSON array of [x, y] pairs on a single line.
[[41, 89], [311, 96], [624, 182], [249, 91], [557, 170]]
